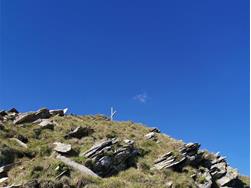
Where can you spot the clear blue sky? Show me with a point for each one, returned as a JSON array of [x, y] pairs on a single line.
[[182, 66]]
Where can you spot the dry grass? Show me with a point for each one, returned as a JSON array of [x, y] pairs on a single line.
[[42, 166]]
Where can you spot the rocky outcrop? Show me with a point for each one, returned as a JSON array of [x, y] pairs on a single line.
[[42, 113], [213, 171], [109, 157]]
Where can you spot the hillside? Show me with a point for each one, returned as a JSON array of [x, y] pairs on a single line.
[[48, 148]]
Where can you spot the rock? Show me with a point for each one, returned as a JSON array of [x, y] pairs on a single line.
[[76, 166], [129, 142], [62, 148], [5, 169], [3, 113], [59, 112], [99, 146], [46, 124], [190, 149], [22, 138], [206, 178], [79, 132], [31, 117], [43, 113], [154, 129], [110, 157], [13, 110], [188, 156], [3, 180], [230, 176], [28, 117], [19, 142], [150, 136]]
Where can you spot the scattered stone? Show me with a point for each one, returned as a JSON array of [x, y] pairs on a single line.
[[76, 166], [62, 148], [129, 142], [3, 180], [5, 169], [19, 142], [79, 132], [46, 124], [150, 136], [154, 129], [59, 112]]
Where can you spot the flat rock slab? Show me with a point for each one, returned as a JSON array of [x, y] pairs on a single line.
[[76, 166], [19, 142], [62, 148]]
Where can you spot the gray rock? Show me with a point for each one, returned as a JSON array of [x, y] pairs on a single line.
[[13, 110], [62, 148], [218, 170], [3, 113], [76, 166], [19, 142], [59, 112], [28, 117], [99, 146], [46, 124], [43, 113], [154, 129], [231, 175], [79, 132], [109, 157], [4, 169], [150, 136], [129, 142]]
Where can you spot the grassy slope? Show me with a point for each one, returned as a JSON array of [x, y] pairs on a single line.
[[43, 165]]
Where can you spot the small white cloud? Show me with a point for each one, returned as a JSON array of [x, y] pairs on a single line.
[[143, 97]]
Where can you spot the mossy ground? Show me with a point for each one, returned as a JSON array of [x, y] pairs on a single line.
[[38, 161]]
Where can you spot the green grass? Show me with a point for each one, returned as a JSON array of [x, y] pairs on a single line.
[[43, 165]]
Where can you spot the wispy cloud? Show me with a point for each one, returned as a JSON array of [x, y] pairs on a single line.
[[142, 97]]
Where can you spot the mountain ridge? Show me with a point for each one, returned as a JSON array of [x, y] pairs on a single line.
[[48, 148]]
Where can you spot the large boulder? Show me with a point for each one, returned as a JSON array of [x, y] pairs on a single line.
[[25, 118]]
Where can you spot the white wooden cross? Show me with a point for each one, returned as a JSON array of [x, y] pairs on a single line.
[[112, 113]]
